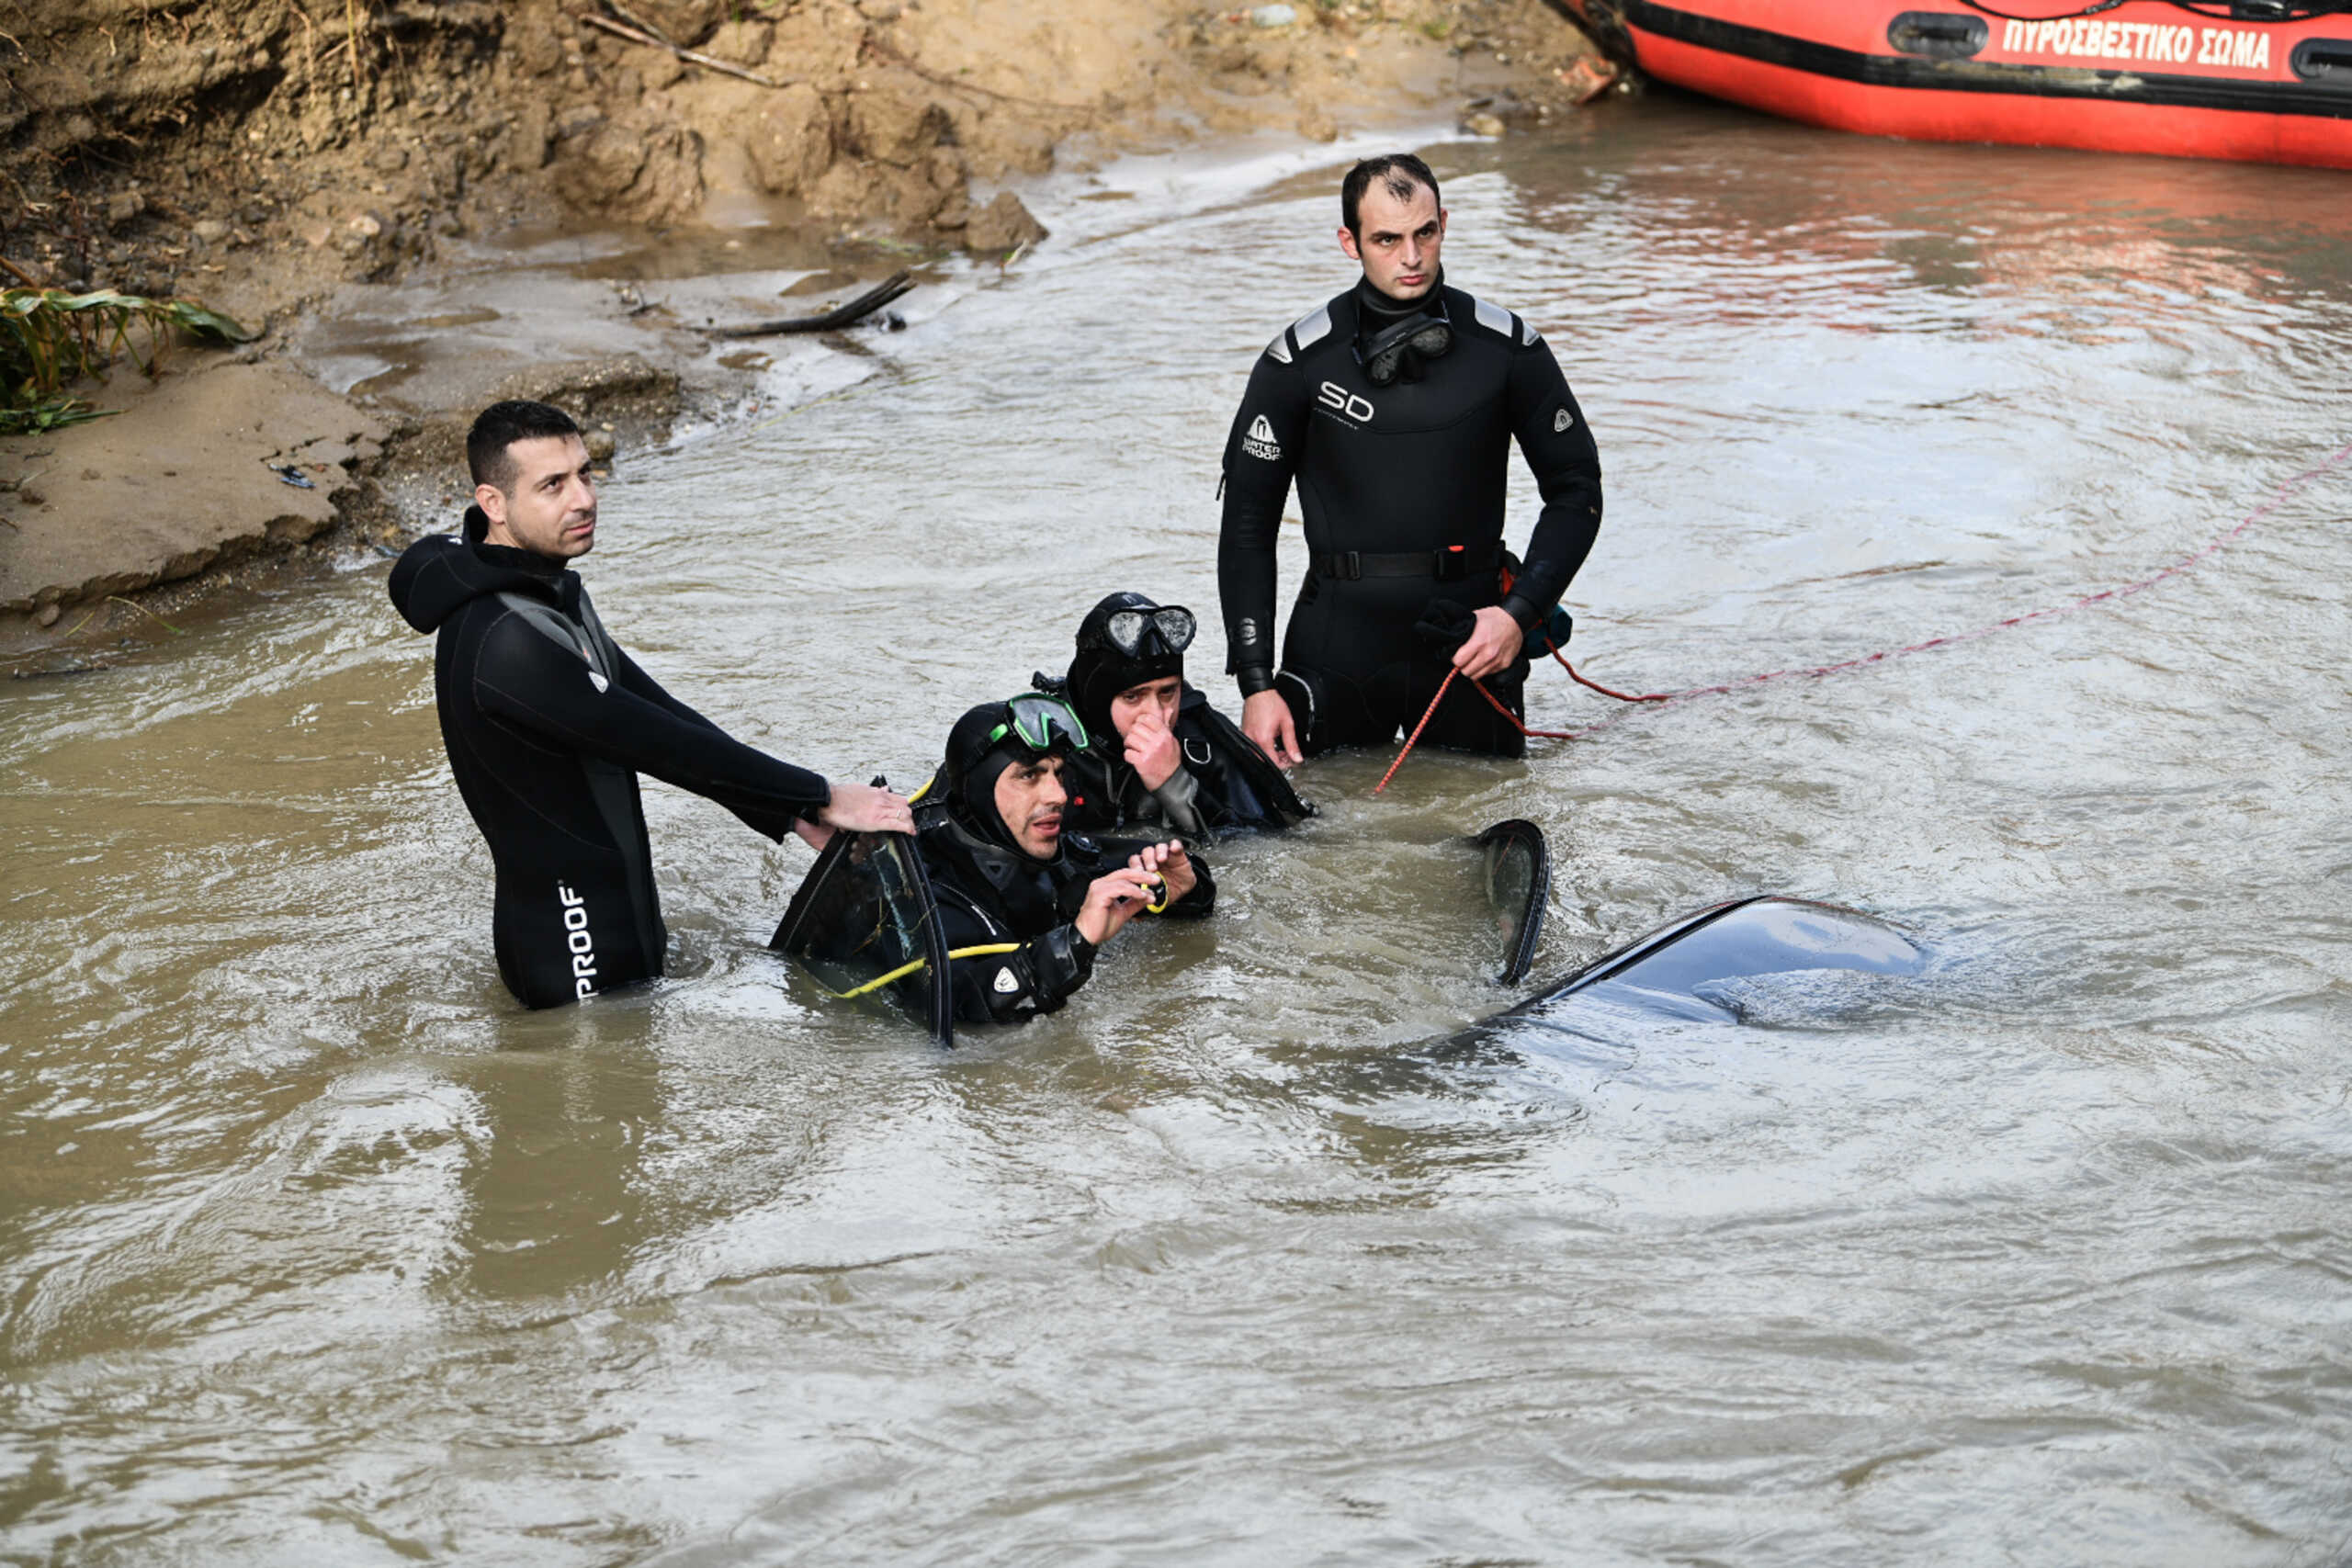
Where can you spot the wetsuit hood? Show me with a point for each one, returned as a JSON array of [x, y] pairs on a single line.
[[1100, 672], [965, 832], [437, 577], [967, 777]]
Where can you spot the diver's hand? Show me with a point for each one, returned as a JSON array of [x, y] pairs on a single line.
[[862, 808], [816, 835], [1492, 646], [1265, 719], [1111, 900], [1169, 861], [1152, 750]]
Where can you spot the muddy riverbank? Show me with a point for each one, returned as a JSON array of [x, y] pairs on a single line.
[[294, 165]]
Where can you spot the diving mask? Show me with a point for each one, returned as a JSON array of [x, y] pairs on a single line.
[[1398, 350], [1126, 629], [1041, 723]]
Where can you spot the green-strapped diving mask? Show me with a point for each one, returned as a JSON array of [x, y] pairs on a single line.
[[1041, 723]]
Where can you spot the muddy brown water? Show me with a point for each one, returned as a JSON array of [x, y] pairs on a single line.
[[315, 1249]]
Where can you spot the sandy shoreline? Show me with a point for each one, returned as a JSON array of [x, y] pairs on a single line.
[[361, 194]]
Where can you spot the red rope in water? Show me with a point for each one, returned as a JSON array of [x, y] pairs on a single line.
[[1493, 701], [2278, 498], [1518, 722], [1426, 714]]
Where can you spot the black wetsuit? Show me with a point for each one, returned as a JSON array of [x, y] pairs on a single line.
[[1224, 783], [988, 893], [1403, 489], [548, 724]]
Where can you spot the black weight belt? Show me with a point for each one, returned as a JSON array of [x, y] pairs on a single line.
[[1444, 566]]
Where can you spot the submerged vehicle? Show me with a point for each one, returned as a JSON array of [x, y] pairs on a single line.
[[865, 923], [2259, 81], [1673, 969]]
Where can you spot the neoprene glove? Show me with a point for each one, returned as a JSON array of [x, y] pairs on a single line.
[[1444, 627]]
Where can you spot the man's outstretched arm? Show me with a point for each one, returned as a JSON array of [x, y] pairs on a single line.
[[855, 806], [526, 679]]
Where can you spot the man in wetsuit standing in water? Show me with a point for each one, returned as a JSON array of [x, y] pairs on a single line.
[[547, 723], [1393, 406]]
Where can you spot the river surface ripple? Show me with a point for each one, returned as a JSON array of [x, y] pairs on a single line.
[[314, 1249]]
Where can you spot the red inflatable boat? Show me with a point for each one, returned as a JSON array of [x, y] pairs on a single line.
[[2266, 81]]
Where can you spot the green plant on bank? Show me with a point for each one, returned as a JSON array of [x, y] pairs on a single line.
[[48, 413], [50, 339]]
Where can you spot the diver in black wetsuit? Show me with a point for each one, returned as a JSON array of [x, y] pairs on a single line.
[[1395, 406], [1005, 869], [547, 723], [1161, 755]]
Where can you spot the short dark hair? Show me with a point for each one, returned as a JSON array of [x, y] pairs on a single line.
[[500, 425], [1400, 172]]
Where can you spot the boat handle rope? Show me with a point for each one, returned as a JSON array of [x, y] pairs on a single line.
[[2278, 498], [2091, 10]]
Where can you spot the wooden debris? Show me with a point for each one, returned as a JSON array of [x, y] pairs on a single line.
[[857, 309]]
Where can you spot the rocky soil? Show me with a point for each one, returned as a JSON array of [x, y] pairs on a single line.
[[261, 154]]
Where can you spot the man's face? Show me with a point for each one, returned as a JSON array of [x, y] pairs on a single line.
[[1397, 241], [1030, 798], [550, 509], [1159, 697]]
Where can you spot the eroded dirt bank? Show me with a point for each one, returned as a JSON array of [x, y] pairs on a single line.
[[263, 156]]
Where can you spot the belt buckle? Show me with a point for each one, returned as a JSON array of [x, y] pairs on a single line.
[[1351, 564], [1453, 564]]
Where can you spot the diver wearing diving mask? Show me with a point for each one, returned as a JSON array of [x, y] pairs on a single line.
[[1160, 757], [1007, 870]]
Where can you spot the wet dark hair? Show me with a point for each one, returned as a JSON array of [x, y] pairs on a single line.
[[1401, 171], [500, 425]]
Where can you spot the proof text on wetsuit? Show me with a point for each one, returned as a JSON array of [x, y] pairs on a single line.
[[577, 938]]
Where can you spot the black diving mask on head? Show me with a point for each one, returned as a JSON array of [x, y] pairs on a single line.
[[1129, 630], [1399, 349]]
